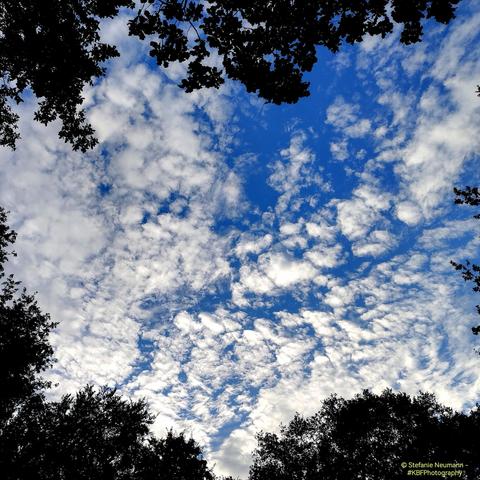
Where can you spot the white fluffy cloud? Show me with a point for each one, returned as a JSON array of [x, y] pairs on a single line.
[[432, 133], [386, 329], [97, 257], [345, 117], [358, 215]]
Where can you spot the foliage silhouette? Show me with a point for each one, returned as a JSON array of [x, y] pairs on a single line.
[[470, 271], [369, 436], [24, 348], [269, 45], [175, 458], [53, 47], [95, 435]]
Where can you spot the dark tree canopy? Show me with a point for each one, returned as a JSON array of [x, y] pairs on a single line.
[[95, 435], [369, 436], [176, 458], [24, 347], [53, 46], [90, 436], [269, 45]]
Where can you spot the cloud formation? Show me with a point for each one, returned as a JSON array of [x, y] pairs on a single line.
[[232, 282]]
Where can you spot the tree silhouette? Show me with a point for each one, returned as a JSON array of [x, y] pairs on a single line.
[[53, 46], [24, 348], [269, 45], [175, 458], [369, 436], [470, 271], [95, 435]]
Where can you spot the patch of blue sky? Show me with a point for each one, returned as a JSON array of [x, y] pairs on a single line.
[[104, 188], [142, 364]]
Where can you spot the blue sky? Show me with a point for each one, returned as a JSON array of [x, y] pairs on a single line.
[[235, 262]]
